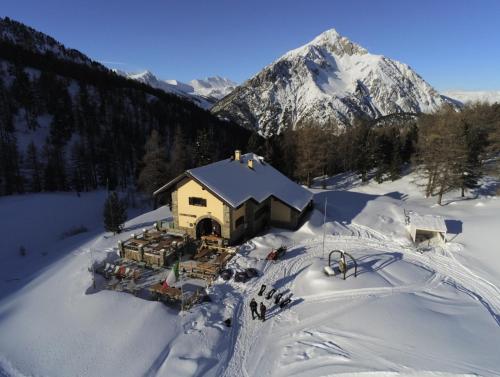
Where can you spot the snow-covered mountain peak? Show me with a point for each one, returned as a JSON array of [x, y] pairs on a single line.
[[328, 80], [144, 76], [215, 87], [330, 42], [337, 43], [214, 81]]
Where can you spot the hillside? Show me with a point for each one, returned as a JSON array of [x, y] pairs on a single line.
[[68, 123], [328, 80], [431, 312]]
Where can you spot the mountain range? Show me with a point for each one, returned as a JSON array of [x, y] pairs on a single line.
[[328, 80], [465, 96], [203, 92]]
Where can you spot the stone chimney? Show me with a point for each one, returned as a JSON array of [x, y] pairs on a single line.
[[237, 155], [250, 163]]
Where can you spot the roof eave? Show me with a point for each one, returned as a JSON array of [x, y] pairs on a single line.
[[169, 184]]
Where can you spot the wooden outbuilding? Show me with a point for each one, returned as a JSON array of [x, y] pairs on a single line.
[[430, 229]]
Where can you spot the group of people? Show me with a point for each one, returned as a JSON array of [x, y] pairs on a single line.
[[261, 314], [255, 313]]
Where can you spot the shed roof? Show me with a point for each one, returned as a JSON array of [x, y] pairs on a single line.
[[235, 182], [427, 222]]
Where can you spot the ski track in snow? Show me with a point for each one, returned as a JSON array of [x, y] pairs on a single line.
[[245, 355]]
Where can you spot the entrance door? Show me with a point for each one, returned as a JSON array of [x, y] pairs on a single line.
[[208, 227]]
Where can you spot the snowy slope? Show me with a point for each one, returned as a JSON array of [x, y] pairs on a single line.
[[474, 96], [49, 326], [328, 79], [204, 92], [408, 313], [32, 40]]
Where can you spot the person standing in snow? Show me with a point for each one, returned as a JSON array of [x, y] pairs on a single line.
[[253, 308], [262, 311]]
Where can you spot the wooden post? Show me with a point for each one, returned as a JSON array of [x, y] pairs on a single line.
[[324, 230]]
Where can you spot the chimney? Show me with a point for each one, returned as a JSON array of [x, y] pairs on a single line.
[[250, 163], [237, 155]]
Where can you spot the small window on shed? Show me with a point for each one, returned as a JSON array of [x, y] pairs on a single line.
[[240, 221], [200, 202]]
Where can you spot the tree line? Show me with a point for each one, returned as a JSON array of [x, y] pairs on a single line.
[[448, 148], [313, 151], [454, 147]]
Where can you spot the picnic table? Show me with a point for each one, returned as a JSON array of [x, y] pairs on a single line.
[[135, 243], [202, 252], [171, 292], [212, 239]]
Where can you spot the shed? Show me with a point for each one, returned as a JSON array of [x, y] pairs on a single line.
[[426, 228]]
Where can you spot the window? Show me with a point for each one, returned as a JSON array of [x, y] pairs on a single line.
[[240, 221], [198, 202], [261, 212]]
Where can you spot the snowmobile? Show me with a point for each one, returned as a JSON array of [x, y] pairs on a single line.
[[274, 255]]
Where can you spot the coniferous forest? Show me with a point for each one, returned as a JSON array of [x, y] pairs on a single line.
[[67, 123]]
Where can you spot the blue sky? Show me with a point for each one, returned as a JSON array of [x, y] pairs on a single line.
[[453, 44]]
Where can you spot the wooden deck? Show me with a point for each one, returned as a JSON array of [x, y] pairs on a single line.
[[205, 271], [152, 247]]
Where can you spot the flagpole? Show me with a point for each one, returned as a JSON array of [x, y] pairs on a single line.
[[178, 274], [324, 230]]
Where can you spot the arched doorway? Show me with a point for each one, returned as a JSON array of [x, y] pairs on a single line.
[[207, 226]]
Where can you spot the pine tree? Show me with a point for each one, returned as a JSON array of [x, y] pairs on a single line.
[[494, 145], [33, 168], [179, 159], [311, 153], [79, 176], [287, 142], [255, 144], [363, 147], [396, 160], [115, 213], [383, 148], [155, 167], [203, 148], [23, 95], [55, 168]]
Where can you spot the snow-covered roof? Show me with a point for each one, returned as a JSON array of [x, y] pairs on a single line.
[[235, 183], [427, 222]]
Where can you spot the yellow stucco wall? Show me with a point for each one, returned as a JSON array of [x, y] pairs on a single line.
[[280, 212], [192, 188]]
